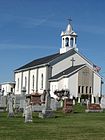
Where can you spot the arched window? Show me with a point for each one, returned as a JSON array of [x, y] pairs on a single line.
[[86, 89], [52, 88], [67, 41], [82, 89], [71, 42], [90, 90], [17, 84], [41, 81], [25, 81], [79, 89], [33, 82]]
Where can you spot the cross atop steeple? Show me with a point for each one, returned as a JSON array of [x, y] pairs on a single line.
[[69, 20]]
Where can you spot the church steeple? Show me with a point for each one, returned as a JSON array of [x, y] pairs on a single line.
[[68, 38]]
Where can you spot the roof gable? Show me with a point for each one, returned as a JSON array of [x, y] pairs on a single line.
[[67, 72], [63, 56]]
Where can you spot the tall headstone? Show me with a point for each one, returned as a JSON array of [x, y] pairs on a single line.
[[17, 102], [10, 105], [97, 100], [3, 101], [28, 112], [43, 96], [22, 100], [47, 101], [79, 99], [87, 103], [46, 111], [53, 105], [92, 99]]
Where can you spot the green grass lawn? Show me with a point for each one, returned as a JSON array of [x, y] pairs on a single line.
[[75, 126]]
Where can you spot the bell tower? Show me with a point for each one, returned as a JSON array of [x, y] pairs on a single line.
[[68, 38]]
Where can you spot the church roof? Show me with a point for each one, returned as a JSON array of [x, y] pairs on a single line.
[[51, 59], [67, 72], [39, 61]]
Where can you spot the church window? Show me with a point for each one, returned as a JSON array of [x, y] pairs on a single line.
[[82, 89], [41, 81], [90, 90], [79, 89], [17, 84], [67, 41], [52, 88], [63, 42], [71, 42], [33, 82], [86, 89], [55, 87], [25, 81]]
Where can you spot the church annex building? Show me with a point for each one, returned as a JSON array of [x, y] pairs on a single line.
[[67, 69]]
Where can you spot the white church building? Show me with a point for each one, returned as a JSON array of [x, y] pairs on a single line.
[[66, 69]]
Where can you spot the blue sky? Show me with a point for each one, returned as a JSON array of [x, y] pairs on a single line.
[[30, 29]]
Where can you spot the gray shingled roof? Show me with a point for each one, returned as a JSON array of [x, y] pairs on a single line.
[[45, 60], [39, 61], [67, 72]]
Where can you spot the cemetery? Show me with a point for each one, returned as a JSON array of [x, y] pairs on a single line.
[[41, 117], [54, 99]]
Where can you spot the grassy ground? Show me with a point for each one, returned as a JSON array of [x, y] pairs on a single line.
[[75, 126]]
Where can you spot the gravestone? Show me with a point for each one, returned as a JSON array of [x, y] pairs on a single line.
[[54, 104], [17, 102], [92, 99], [37, 108], [43, 96], [68, 105], [102, 102], [46, 111], [59, 104], [3, 104], [74, 102], [35, 98], [28, 113], [87, 103], [10, 105], [36, 102], [22, 99], [79, 99], [14, 101], [94, 108], [97, 100]]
